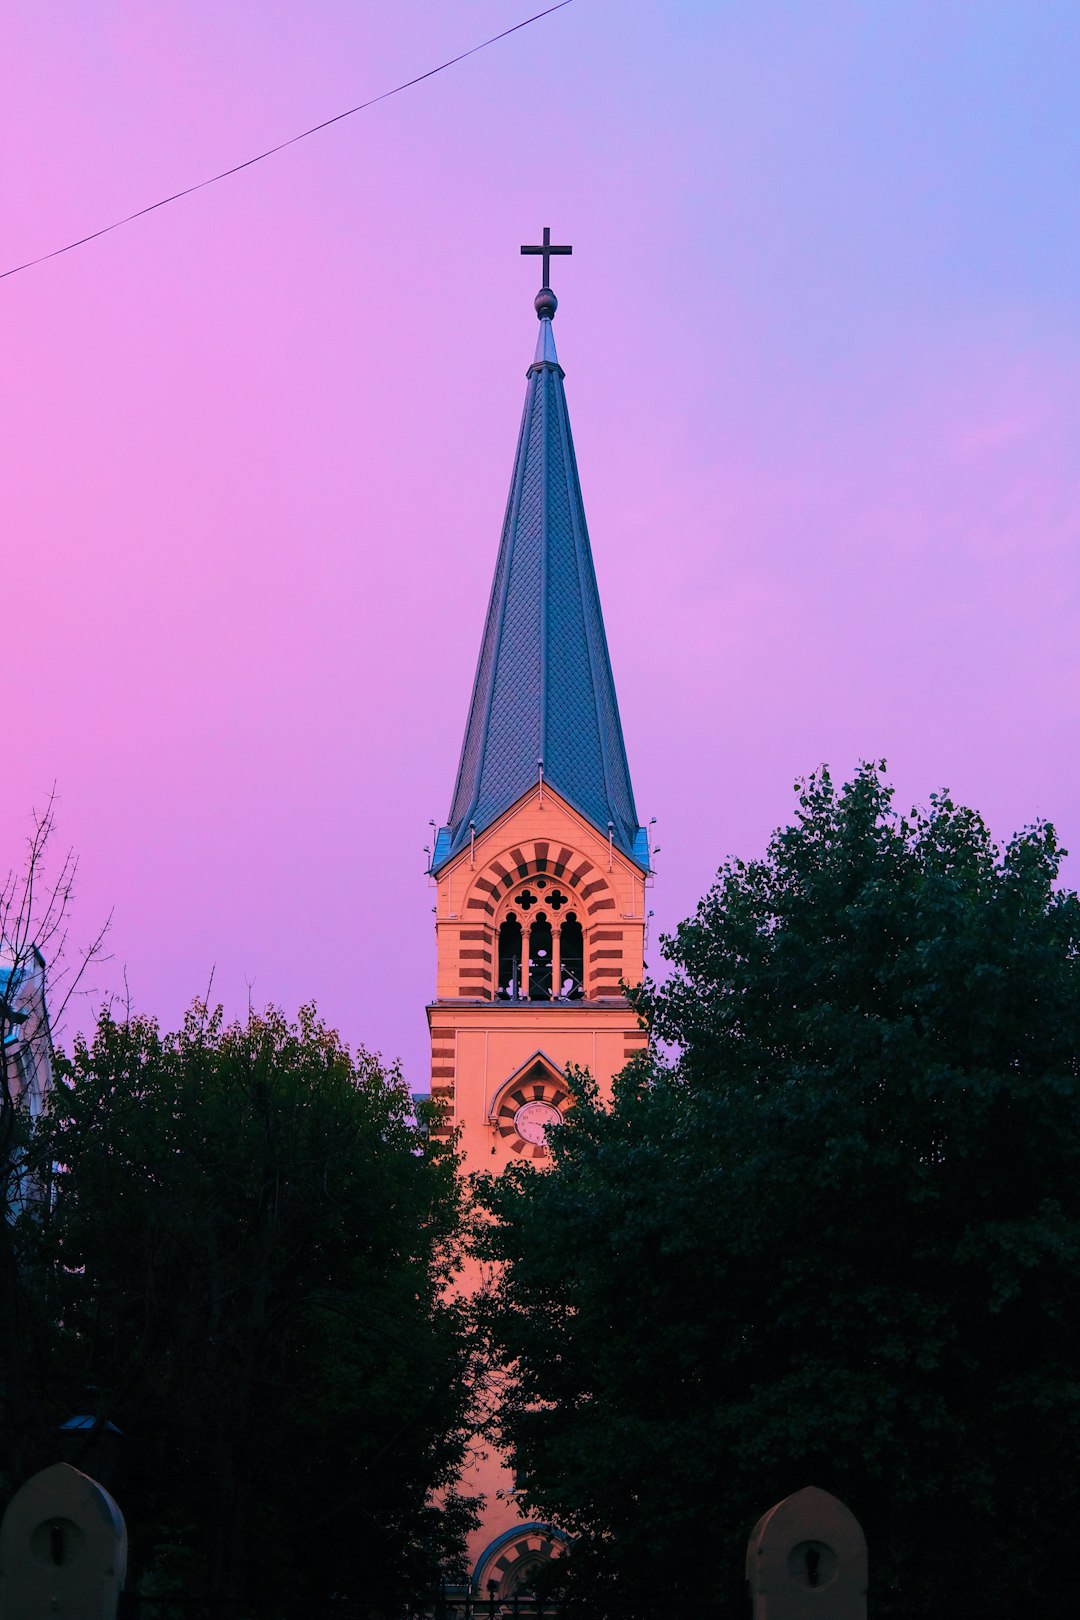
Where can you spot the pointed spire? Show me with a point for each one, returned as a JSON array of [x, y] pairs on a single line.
[[545, 344], [544, 700]]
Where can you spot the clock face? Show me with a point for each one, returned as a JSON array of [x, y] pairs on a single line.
[[532, 1120], [528, 1107]]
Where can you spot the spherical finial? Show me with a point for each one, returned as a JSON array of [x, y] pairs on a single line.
[[545, 303]]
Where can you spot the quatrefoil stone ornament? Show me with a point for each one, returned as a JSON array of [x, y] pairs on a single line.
[[526, 899]]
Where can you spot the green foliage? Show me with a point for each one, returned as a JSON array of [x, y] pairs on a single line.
[[248, 1252], [836, 1242]]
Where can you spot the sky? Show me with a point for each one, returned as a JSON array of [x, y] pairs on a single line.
[[822, 354]]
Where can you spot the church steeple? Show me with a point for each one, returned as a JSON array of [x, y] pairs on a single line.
[[540, 879], [544, 700]]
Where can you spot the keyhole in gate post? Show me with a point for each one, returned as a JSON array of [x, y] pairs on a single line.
[[812, 1564], [58, 1542]]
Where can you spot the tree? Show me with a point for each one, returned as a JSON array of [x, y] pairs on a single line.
[[836, 1241], [249, 1247], [35, 970]]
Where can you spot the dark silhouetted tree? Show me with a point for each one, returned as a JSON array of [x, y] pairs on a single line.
[[249, 1249], [837, 1242]]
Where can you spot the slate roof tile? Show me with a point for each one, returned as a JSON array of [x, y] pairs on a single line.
[[543, 688]]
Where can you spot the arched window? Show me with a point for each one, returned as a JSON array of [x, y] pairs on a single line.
[[540, 959], [509, 985], [572, 958]]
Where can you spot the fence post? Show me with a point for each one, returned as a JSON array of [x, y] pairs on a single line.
[[807, 1560], [63, 1549]]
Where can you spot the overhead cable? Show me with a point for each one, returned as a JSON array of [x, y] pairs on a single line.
[[260, 157]]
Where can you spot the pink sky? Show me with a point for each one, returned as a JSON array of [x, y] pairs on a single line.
[[823, 367]]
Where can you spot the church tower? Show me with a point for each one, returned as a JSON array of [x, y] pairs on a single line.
[[541, 868]]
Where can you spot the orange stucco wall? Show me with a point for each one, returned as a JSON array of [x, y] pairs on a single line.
[[488, 1053]]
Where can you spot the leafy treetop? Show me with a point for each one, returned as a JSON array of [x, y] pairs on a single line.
[[837, 1241], [248, 1254]]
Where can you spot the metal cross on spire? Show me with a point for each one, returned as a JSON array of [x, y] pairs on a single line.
[[546, 249]]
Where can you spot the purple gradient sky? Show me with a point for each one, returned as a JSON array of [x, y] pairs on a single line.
[[823, 366]]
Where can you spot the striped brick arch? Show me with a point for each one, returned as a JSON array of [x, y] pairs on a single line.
[[511, 1564], [591, 900], [584, 880], [539, 1080]]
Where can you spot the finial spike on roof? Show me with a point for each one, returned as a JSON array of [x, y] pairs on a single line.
[[545, 304], [545, 346]]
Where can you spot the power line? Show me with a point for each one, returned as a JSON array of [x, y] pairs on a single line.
[[200, 185]]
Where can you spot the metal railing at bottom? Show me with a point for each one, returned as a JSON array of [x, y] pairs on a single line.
[[442, 1605], [136, 1606]]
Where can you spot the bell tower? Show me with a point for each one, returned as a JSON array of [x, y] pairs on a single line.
[[541, 869]]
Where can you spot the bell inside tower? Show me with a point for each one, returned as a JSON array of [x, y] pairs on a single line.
[[572, 959], [540, 959]]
